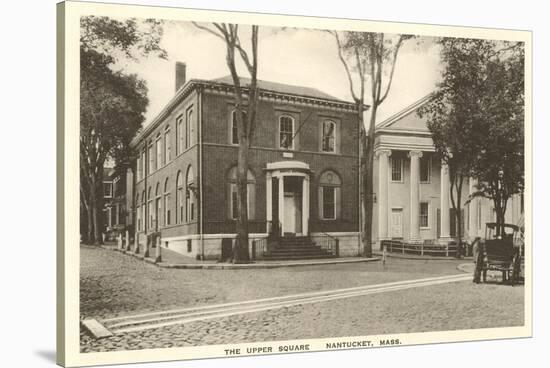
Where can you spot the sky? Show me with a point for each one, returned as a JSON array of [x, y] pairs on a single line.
[[292, 56]]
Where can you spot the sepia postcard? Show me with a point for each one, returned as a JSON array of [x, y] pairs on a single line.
[[235, 184]]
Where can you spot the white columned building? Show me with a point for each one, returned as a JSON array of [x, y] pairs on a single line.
[[415, 156]]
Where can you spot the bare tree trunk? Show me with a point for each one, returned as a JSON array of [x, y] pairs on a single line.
[[94, 205], [456, 189], [89, 230], [368, 200], [240, 254]]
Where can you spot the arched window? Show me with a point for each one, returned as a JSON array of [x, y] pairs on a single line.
[[328, 142], [150, 208], [286, 132], [167, 219], [179, 197], [167, 146], [329, 196], [158, 207], [233, 204], [190, 195]]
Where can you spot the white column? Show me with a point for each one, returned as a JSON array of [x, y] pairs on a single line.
[[281, 202], [444, 192], [472, 210], [305, 205], [383, 156], [414, 231], [269, 198]]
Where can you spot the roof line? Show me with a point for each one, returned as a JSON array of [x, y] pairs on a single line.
[[407, 110], [189, 86]]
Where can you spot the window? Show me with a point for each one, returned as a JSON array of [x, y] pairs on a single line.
[[329, 203], [424, 215], [234, 127], [286, 132], [425, 169], [329, 196], [250, 194], [158, 207], [151, 167], [328, 143], [167, 146], [396, 169], [190, 195], [167, 219], [158, 144], [107, 189], [179, 135], [179, 198], [189, 129], [150, 208]]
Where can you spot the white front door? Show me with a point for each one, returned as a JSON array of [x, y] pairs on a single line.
[[289, 225], [396, 223]]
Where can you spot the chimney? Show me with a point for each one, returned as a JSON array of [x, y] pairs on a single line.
[[180, 74]]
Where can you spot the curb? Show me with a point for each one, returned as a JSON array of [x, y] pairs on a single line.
[[244, 266]]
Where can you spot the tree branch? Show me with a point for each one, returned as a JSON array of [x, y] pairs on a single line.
[[346, 67], [394, 60]]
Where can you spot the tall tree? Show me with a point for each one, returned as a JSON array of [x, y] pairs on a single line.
[[476, 119], [368, 58], [500, 164], [112, 103], [246, 102]]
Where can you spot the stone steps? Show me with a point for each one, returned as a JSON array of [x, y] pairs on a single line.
[[294, 248]]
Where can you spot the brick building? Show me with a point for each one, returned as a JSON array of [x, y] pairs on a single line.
[[302, 178]]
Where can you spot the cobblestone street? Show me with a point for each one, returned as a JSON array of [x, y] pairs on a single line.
[[113, 284]]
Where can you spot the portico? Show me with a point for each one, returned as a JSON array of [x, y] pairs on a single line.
[[408, 198], [288, 198]]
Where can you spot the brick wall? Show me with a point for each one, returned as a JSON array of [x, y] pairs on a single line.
[[220, 157]]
